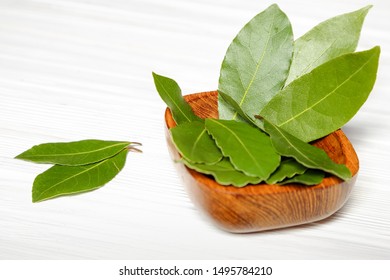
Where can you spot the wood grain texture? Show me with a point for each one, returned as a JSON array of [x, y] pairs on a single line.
[[264, 207]]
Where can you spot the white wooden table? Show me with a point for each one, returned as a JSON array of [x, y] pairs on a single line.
[[72, 70]]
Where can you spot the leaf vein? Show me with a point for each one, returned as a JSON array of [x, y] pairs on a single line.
[[327, 95], [257, 67], [174, 102], [292, 145], [242, 144], [197, 141], [79, 153], [71, 177], [314, 61]]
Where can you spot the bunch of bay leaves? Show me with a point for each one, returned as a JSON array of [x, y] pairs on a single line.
[[275, 96], [78, 166]]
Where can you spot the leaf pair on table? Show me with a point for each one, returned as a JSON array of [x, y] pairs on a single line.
[[78, 166]]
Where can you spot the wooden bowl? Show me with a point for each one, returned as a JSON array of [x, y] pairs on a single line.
[[264, 207]]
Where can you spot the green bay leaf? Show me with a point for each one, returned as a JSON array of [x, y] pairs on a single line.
[[236, 107], [194, 143], [249, 149], [256, 63], [334, 37], [287, 169], [306, 154], [73, 153], [224, 173], [309, 178], [63, 180], [323, 100], [170, 93]]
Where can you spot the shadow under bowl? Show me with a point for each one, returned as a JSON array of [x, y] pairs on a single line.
[[264, 207]]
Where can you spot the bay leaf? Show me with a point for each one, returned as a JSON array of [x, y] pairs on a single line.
[[170, 93], [306, 154], [310, 177], [249, 149], [287, 169], [63, 180], [194, 143], [224, 173], [323, 100], [334, 37], [256, 63], [236, 107], [73, 153]]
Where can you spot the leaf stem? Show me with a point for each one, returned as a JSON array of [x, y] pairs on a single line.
[[136, 143], [131, 147]]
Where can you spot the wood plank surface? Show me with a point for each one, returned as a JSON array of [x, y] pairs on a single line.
[[73, 70]]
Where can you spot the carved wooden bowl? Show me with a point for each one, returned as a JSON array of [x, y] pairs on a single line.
[[264, 207]]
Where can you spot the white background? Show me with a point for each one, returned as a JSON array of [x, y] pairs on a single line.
[[73, 70]]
